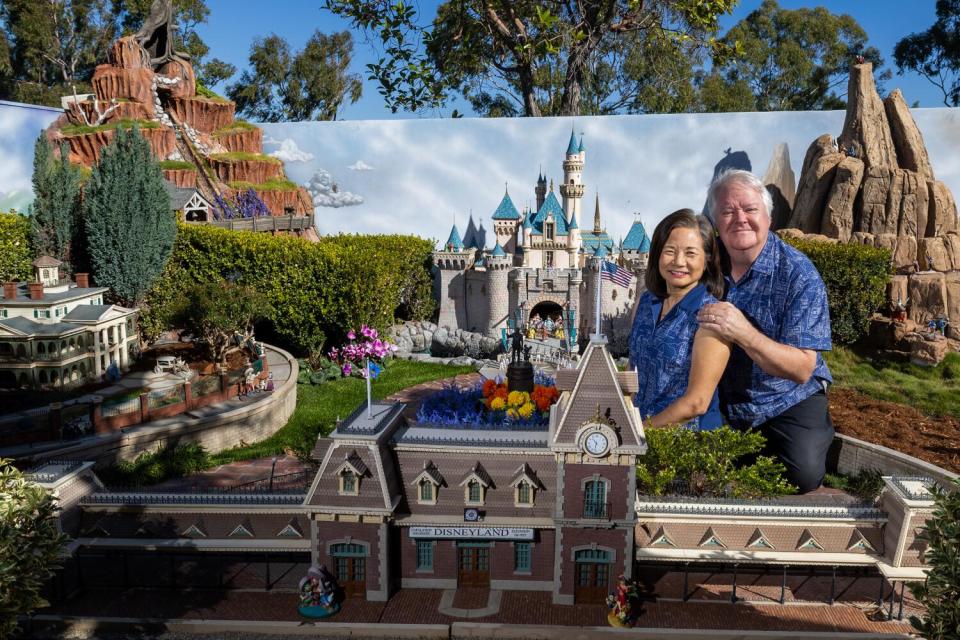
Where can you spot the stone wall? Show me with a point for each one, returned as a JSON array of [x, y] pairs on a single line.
[[246, 424], [422, 337]]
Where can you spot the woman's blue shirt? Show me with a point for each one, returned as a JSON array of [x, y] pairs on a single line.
[[662, 353]]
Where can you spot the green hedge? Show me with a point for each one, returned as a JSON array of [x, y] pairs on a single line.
[[15, 256], [317, 290], [856, 277]]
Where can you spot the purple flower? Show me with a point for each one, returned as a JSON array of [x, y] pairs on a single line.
[[347, 369], [368, 332], [352, 335]]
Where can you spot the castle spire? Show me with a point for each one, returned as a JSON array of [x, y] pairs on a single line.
[[573, 148], [596, 216]]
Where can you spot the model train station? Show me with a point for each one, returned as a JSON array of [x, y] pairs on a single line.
[[399, 505]]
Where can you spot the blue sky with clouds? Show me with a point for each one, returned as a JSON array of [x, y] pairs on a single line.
[[419, 176], [230, 30]]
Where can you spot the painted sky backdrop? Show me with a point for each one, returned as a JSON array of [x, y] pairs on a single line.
[[230, 30], [420, 176]]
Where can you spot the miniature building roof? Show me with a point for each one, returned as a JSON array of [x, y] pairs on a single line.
[[50, 298], [526, 472], [550, 206], [454, 240], [573, 222], [498, 251], [94, 312], [600, 251], [430, 471], [573, 148], [637, 239], [46, 261], [506, 210], [591, 241], [580, 148], [470, 236], [24, 327], [179, 196], [480, 474], [353, 462]]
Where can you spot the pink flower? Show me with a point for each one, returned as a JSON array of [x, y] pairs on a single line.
[[351, 334], [347, 369], [368, 332]]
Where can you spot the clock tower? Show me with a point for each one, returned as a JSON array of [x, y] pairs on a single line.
[[596, 436]]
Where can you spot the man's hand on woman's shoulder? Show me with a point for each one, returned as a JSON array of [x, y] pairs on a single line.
[[727, 322]]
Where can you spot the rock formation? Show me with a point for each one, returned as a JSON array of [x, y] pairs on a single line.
[[146, 82], [782, 185], [875, 185]]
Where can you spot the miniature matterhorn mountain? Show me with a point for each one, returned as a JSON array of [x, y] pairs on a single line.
[[214, 165]]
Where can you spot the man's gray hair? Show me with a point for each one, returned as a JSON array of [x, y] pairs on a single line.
[[740, 177]]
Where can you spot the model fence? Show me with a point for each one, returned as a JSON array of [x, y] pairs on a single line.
[[119, 408], [205, 386], [165, 397]]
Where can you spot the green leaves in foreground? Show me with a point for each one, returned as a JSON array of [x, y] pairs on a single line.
[[30, 543], [941, 591], [720, 463]]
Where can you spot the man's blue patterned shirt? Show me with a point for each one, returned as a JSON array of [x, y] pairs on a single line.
[[662, 352], [783, 296]]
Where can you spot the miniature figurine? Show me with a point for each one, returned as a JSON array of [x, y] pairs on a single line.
[[320, 595], [623, 604]]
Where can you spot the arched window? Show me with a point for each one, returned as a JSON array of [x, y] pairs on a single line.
[[524, 493], [427, 491], [349, 483], [595, 499], [474, 492]]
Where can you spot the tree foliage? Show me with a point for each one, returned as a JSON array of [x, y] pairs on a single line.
[[315, 290], [940, 593], [709, 463], [214, 312], [48, 48], [311, 84], [55, 222], [935, 53], [15, 254], [30, 544], [789, 60], [535, 57], [129, 226]]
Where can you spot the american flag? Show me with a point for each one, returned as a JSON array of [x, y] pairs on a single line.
[[615, 273]]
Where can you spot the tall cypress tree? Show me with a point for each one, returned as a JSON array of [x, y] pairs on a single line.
[[126, 211], [55, 213]]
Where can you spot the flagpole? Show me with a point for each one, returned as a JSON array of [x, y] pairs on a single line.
[[596, 333]]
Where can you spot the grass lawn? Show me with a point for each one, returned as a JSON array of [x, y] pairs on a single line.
[[934, 391], [319, 406]]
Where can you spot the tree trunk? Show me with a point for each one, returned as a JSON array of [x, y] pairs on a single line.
[[576, 71], [530, 107]]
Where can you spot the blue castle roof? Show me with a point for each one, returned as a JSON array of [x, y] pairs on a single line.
[[454, 240], [506, 210], [550, 206], [573, 222], [580, 148], [592, 241], [573, 148], [498, 251], [600, 252], [637, 239]]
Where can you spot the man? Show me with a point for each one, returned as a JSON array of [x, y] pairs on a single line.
[[776, 317]]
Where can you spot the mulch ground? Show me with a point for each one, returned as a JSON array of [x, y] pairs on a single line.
[[897, 426]]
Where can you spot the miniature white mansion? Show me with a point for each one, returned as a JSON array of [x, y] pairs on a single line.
[[57, 333], [542, 263]]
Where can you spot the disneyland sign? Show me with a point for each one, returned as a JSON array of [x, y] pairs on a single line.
[[473, 533]]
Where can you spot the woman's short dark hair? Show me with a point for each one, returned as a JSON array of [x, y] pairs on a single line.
[[685, 219]]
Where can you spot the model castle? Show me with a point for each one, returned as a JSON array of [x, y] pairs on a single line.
[[542, 264]]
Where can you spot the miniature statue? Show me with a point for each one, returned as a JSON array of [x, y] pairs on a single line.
[[900, 310], [516, 349], [623, 604], [157, 34], [526, 353], [320, 595]]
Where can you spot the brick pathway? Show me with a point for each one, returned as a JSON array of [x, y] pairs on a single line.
[[420, 606], [234, 473]]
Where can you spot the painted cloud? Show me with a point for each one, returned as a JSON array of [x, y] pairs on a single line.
[[290, 152], [326, 193], [360, 165]]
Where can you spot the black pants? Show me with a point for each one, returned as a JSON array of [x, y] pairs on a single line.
[[800, 437]]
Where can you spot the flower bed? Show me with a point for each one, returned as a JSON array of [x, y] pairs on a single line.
[[490, 406]]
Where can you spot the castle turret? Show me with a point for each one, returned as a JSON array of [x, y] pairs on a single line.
[[506, 223], [541, 189], [572, 188], [597, 228], [498, 263], [451, 262], [573, 242], [635, 248]]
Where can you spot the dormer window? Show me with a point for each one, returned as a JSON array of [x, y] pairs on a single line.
[[548, 230], [475, 485], [350, 473], [428, 492], [349, 483], [474, 492], [524, 493], [428, 483]]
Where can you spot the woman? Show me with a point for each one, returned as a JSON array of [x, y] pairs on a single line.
[[679, 364]]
